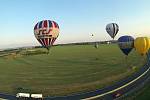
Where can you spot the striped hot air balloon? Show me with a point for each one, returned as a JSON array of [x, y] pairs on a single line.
[[142, 45], [46, 32], [112, 29]]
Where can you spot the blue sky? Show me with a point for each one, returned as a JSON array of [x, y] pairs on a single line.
[[77, 19]]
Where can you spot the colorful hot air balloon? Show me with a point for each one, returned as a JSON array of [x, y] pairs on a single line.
[[112, 29], [126, 44], [46, 32], [142, 45]]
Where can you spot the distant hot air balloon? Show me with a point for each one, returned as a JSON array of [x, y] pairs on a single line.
[[142, 45], [126, 44], [46, 32], [112, 29]]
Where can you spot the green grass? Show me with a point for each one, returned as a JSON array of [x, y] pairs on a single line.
[[145, 95], [67, 69]]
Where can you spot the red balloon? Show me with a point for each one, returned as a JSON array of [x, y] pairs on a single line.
[[46, 32]]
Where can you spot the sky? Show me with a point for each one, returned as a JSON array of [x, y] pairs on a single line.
[[77, 19]]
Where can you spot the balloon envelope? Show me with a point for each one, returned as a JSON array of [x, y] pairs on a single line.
[[142, 45], [112, 29], [149, 43], [126, 44], [46, 32]]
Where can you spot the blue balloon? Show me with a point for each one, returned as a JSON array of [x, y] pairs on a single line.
[[126, 44]]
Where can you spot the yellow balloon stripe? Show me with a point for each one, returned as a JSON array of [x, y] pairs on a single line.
[[142, 45], [149, 43]]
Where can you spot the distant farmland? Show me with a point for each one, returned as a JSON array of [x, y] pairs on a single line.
[[66, 70]]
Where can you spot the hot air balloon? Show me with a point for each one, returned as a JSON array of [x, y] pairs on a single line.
[[112, 29], [126, 44], [46, 32], [142, 45], [149, 43]]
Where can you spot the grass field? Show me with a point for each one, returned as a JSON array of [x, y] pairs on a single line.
[[66, 70], [145, 95]]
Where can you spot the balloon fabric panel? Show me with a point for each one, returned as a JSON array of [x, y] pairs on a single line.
[[45, 31], [126, 44], [112, 29], [142, 45]]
